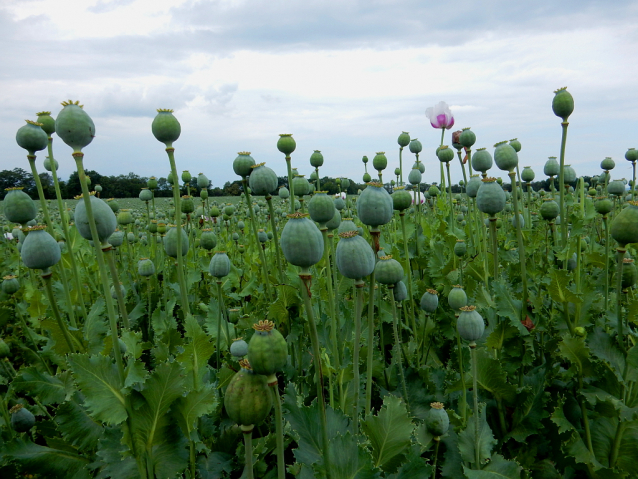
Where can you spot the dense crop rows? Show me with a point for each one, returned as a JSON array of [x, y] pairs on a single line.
[[485, 334]]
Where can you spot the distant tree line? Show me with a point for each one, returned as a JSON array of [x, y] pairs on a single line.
[[129, 186]]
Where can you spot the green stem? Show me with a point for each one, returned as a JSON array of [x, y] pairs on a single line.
[[316, 351], [408, 268], [494, 245], [46, 277], [27, 332], [108, 252], [331, 298], [397, 347], [436, 456], [463, 402], [477, 454], [606, 225], [521, 244], [375, 236], [219, 322], [248, 444], [253, 222], [620, 254], [279, 430], [561, 185], [275, 234], [291, 188], [355, 362], [170, 151]]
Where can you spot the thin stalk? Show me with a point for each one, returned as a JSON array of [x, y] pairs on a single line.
[[606, 225], [561, 185], [108, 252], [331, 298], [397, 347], [449, 193], [27, 332], [273, 227], [355, 361], [46, 278], [436, 456], [290, 186], [521, 244], [248, 444], [183, 291], [408, 268], [477, 455], [620, 254], [401, 164], [316, 351], [494, 245], [279, 429], [253, 222], [463, 402], [371, 327], [219, 322]]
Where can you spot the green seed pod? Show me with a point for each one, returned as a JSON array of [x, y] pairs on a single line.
[[239, 348], [460, 248], [608, 164], [267, 350], [105, 220], [467, 138], [549, 209], [482, 160], [202, 181], [470, 324], [629, 273], [170, 242], [242, 165], [130, 238], [300, 186], [374, 206], [505, 156], [404, 139], [624, 227], [284, 194], [401, 199], [124, 217], [316, 159], [116, 239], [208, 240], [32, 137], [166, 128], [346, 225], [551, 168], [434, 191], [48, 165], [74, 126], [339, 204], [490, 198], [10, 285], [569, 175], [631, 154], [321, 207], [187, 204], [263, 180], [262, 236], [572, 263], [380, 162], [437, 421], [388, 270], [367, 178], [616, 188], [334, 223], [301, 241], [186, 176], [22, 420], [48, 123], [18, 206], [473, 186], [145, 267], [603, 205], [151, 183], [145, 194], [354, 256], [419, 166], [415, 146], [219, 266], [40, 250], [563, 103], [445, 154], [527, 175], [457, 298], [247, 399], [364, 159], [113, 204], [286, 143], [415, 176], [514, 143], [430, 300], [400, 291]]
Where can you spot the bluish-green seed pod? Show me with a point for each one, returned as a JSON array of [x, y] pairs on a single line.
[[263, 180], [32, 137], [551, 168], [467, 138], [457, 298], [103, 215], [286, 144], [401, 199], [562, 103], [470, 324], [374, 206], [445, 154], [145, 267], [415, 146], [354, 256], [388, 270], [404, 139], [437, 421], [490, 198], [219, 265], [321, 207], [316, 159], [165, 127], [267, 350], [242, 165], [40, 250], [505, 156], [482, 160], [301, 241], [18, 207], [170, 242], [74, 126], [429, 300]]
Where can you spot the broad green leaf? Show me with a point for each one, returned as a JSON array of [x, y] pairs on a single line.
[[530, 410], [215, 465], [498, 468], [135, 373], [61, 346], [348, 460], [486, 440], [114, 461], [491, 377], [133, 342], [414, 467], [48, 389], [558, 287], [603, 347], [632, 363], [508, 307], [138, 311], [96, 327], [77, 427], [452, 462], [502, 332], [52, 462], [305, 424], [389, 433], [193, 406], [99, 382], [196, 353], [576, 352]]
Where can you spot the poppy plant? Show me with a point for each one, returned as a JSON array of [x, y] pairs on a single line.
[[440, 115]]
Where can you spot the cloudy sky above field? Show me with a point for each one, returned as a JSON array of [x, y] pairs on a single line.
[[345, 77]]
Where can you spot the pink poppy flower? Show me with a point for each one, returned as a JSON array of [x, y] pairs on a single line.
[[440, 115]]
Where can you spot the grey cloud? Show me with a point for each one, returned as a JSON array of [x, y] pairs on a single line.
[[103, 7]]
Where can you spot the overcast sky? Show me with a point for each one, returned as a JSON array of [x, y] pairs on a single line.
[[345, 77]]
